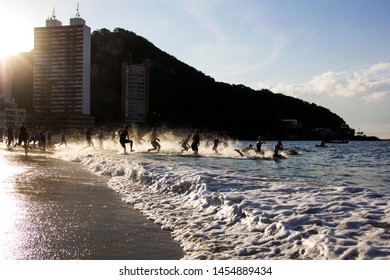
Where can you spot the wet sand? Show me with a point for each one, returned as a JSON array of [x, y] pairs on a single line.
[[58, 210]]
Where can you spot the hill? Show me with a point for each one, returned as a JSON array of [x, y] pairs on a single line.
[[183, 97]]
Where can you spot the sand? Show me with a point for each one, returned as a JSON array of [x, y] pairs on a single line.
[[59, 210]]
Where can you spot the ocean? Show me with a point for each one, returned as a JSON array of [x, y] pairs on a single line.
[[314, 203]]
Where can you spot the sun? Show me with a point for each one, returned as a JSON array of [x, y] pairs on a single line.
[[15, 35]]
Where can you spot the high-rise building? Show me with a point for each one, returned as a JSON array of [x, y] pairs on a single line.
[[10, 113], [135, 92], [5, 79], [61, 68]]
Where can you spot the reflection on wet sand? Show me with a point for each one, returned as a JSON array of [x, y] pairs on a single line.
[[52, 209]]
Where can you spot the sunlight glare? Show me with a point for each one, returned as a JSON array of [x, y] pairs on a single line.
[[7, 169], [15, 35]]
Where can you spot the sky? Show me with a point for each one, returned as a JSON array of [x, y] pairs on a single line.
[[334, 53]]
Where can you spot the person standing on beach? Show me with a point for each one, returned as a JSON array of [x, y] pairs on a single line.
[[125, 138], [195, 141]]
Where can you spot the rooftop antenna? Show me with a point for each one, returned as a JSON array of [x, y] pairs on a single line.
[[78, 11], [53, 15]]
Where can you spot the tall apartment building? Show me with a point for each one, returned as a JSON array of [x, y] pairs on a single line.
[[5, 79], [61, 70], [135, 92], [10, 113]]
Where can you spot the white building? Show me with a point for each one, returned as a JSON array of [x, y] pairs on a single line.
[[135, 92]]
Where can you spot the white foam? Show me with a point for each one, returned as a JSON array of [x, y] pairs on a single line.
[[218, 213]]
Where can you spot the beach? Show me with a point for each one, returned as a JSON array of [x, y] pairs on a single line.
[[311, 204], [57, 210]]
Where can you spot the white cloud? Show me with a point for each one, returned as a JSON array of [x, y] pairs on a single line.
[[375, 97], [361, 97], [371, 84]]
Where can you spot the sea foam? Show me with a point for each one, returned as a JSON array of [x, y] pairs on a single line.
[[224, 213]]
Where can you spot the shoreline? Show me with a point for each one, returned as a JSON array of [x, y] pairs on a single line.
[[59, 210]]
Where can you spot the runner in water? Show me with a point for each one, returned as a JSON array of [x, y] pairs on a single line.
[[88, 135], [154, 141], [215, 145], [195, 141], [42, 139], [184, 143], [245, 150], [63, 138], [23, 137], [10, 136], [278, 148], [125, 138], [258, 145]]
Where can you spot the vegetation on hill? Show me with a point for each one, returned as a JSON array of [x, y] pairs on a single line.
[[183, 97]]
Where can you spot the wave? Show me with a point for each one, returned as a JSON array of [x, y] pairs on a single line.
[[221, 213]]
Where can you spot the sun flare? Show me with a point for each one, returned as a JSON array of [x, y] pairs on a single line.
[[15, 35]]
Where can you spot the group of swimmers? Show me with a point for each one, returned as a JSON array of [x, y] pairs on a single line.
[[124, 138], [277, 149], [190, 142]]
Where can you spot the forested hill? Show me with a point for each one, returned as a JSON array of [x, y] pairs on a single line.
[[181, 96]]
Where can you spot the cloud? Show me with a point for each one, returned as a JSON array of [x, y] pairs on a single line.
[[361, 97], [370, 84]]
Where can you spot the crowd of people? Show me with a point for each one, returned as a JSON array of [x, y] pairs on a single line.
[[28, 138], [42, 138]]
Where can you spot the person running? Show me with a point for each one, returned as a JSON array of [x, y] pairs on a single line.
[[63, 138], [195, 141], [23, 137], [184, 144], [10, 136], [48, 137], [215, 145], [42, 139], [88, 134], [100, 137], [124, 138], [154, 141], [23, 134], [278, 148], [258, 145]]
